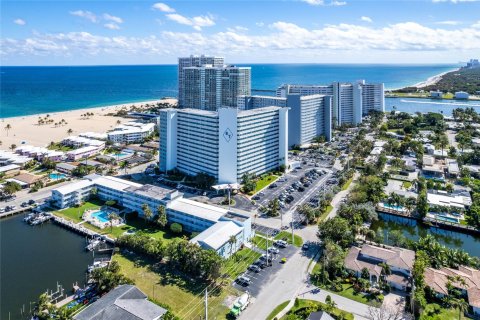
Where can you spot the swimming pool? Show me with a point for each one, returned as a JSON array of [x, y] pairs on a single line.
[[446, 218], [56, 176], [399, 208], [100, 215]]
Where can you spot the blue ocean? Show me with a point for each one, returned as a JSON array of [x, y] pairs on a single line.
[[32, 90]]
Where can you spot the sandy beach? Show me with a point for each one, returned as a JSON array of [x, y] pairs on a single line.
[[433, 80], [26, 130]]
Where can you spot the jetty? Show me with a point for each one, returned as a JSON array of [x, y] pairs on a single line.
[[79, 228]]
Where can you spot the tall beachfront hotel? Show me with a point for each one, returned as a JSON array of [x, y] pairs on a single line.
[[206, 83], [309, 116], [226, 143], [350, 101]]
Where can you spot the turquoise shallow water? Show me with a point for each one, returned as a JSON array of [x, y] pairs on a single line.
[[32, 90]]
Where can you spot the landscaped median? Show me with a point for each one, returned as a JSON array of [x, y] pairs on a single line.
[[287, 236], [303, 307]]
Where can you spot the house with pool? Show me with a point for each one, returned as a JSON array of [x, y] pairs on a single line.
[[217, 226], [371, 257]]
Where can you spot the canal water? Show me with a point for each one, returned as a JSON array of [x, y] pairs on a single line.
[[413, 231], [412, 105], [33, 259]]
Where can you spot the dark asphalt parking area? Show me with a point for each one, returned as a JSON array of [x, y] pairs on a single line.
[[265, 275]]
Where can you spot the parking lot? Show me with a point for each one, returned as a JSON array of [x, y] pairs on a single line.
[[265, 275], [293, 186]]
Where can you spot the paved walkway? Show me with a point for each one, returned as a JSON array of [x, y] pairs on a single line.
[[337, 199]]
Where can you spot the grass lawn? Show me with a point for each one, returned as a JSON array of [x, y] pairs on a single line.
[[238, 263], [297, 240], [347, 184], [430, 314], [304, 303], [277, 309], [325, 213], [75, 214], [181, 294], [260, 242], [349, 293], [406, 184], [265, 181]]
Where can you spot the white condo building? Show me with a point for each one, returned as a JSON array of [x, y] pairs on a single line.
[[131, 132], [215, 224], [350, 101], [309, 116], [224, 144], [206, 83]]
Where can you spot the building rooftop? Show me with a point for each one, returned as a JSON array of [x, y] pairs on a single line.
[[115, 183], [66, 166], [69, 188], [217, 235], [152, 191], [438, 280], [9, 167], [198, 209], [394, 256], [125, 302], [448, 200], [82, 150], [319, 315]]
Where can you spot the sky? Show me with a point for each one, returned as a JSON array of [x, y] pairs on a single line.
[[108, 32]]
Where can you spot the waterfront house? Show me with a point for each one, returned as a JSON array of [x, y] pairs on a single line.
[[439, 280], [453, 201], [432, 169], [371, 257], [124, 302], [436, 94]]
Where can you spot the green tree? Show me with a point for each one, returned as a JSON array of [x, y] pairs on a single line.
[[248, 183], [337, 230], [147, 212], [161, 216], [124, 166], [8, 127], [273, 208], [176, 228]]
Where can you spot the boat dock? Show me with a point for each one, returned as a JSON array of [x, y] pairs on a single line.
[[431, 222], [77, 227], [14, 212]]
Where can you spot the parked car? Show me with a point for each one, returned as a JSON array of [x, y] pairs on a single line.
[[31, 201], [280, 244], [243, 281], [254, 268], [273, 250], [305, 246]]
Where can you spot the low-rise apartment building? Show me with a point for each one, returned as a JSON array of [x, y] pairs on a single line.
[[131, 132]]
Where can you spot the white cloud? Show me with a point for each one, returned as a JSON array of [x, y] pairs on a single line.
[[115, 19], [20, 22], [366, 19], [111, 26], [260, 24], [454, 1], [196, 22], [85, 14], [449, 22], [282, 39], [163, 7], [323, 3]]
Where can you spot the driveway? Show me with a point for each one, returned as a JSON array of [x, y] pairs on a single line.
[[395, 300]]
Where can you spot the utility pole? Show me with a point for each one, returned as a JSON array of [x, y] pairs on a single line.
[[206, 304]]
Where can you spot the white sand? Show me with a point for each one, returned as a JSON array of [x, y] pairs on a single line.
[[26, 129], [433, 80]]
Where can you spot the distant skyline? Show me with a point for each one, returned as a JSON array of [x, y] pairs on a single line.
[[305, 31]]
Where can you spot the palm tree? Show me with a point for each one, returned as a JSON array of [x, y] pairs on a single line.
[[410, 203], [162, 216], [118, 122], [232, 241], [124, 165], [13, 147], [112, 216], [147, 212], [7, 128], [69, 131]]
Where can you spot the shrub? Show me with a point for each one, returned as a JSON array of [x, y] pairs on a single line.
[[176, 227]]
